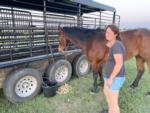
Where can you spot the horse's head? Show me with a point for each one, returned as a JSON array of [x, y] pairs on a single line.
[[63, 41]]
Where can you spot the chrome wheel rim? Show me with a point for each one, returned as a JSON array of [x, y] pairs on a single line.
[[26, 86], [61, 73], [83, 66]]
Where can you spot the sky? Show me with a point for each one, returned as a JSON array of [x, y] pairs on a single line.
[[133, 13]]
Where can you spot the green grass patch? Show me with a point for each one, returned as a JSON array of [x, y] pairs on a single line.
[[79, 99]]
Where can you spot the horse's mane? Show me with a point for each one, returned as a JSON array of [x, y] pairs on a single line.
[[80, 33]]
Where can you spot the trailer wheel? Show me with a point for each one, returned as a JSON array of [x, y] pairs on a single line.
[[81, 66], [59, 72], [22, 85]]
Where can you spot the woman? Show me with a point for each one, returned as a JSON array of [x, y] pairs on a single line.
[[114, 69]]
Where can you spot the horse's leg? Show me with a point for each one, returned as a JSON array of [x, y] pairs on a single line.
[[148, 64], [140, 70], [95, 76], [95, 68], [101, 76]]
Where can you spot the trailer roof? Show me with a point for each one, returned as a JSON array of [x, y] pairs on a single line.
[[95, 4], [59, 6]]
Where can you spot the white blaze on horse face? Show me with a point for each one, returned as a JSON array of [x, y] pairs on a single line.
[[62, 41], [62, 44], [60, 47]]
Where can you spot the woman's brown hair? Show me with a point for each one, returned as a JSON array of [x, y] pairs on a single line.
[[115, 29]]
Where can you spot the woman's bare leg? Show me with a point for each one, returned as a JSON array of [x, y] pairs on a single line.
[[113, 99], [106, 93]]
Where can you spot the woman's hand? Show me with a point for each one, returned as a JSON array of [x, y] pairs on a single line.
[[109, 82]]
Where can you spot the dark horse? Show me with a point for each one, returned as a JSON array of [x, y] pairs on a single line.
[[93, 44]]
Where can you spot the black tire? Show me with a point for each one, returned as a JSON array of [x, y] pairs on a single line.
[[16, 82], [77, 63], [56, 67]]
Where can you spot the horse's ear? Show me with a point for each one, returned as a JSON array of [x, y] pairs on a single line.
[[60, 30], [59, 27]]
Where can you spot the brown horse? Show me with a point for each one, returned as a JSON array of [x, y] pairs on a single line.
[[93, 43]]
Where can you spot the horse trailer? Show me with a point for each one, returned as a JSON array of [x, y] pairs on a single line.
[[29, 42]]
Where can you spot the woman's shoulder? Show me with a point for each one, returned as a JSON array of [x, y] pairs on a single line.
[[118, 44], [118, 47]]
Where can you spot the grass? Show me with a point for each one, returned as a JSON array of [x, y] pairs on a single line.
[[79, 100]]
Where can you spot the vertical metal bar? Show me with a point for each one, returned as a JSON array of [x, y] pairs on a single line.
[[119, 21], [2, 24], [13, 24], [74, 23], [100, 14], [46, 33], [45, 26], [114, 15], [30, 33], [95, 22], [79, 15]]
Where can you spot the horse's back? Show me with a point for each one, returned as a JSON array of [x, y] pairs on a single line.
[[137, 42], [145, 44]]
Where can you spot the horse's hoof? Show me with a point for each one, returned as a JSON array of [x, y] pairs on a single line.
[[92, 90], [147, 94], [133, 86], [104, 111], [92, 93], [132, 90], [95, 90], [101, 84]]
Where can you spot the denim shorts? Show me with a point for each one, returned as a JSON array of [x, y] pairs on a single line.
[[117, 83]]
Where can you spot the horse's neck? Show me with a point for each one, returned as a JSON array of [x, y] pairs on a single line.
[[78, 43], [124, 34]]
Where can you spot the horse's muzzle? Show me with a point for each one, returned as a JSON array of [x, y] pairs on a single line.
[[60, 49]]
